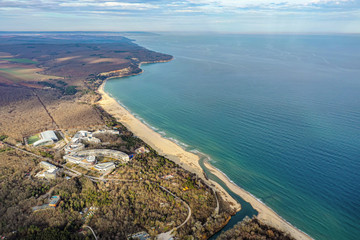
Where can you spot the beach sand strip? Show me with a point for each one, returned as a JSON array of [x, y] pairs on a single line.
[[190, 162]]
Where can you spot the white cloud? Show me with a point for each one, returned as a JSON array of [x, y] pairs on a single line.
[[263, 3], [121, 5]]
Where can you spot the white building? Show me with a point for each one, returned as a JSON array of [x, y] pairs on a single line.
[[105, 153], [74, 159], [85, 136], [142, 150], [110, 131], [92, 139], [51, 174], [73, 147], [104, 166], [91, 159], [47, 137], [47, 165], [50, 171]]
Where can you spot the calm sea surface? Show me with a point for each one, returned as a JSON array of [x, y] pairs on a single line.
[[279, 114]]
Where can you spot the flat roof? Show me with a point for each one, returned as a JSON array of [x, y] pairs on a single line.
[[49, 135]]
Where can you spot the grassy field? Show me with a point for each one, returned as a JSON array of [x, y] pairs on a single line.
[[23, 73], [33, 139], [19, 60]]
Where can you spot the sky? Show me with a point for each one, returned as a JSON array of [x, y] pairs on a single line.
[[233, 16]]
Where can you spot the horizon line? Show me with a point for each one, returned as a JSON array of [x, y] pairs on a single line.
[[196, 32]]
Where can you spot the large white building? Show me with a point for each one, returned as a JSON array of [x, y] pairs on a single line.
[[81, 157], [73, 147], [50, 171], [85, 136], [47, 137]]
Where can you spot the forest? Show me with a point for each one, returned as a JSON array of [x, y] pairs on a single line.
[[253, 229]]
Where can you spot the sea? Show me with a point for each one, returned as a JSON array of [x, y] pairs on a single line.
[[278, 114]]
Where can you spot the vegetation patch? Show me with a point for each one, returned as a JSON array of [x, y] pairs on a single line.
[[20, 60], [70, 90], [66, 90], [33, 139], [253, 229], [3, 137]]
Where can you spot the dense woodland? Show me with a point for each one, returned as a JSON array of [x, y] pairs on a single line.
[[253, 229]]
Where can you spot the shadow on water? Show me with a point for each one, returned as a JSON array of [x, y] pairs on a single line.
[[246, 208]]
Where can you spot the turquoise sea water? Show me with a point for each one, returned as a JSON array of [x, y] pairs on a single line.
[[278, 114]]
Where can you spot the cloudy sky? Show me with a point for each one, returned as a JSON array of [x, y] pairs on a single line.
[[315, 16]]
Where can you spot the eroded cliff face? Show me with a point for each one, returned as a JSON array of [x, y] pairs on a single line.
[[120, 72]]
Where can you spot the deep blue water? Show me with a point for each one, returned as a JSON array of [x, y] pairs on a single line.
[[279, 114]]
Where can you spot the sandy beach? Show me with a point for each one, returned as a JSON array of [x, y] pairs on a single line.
[[190, 162]]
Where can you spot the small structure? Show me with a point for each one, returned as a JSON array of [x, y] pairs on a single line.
[[167, 177], [47, 137], [141, 150], [139, 236], [54, 201], [185, 189], [91, 159], [113, 132]]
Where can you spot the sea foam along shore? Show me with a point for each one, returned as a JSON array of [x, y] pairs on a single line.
[[163, 146], [190, 162]]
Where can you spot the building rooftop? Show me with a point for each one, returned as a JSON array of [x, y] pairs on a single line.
[[54, 201], [47, 165], [104, 166], [49, 135]]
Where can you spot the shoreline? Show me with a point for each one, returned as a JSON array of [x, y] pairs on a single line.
[[164, 146], [265, 213], [190, 162]]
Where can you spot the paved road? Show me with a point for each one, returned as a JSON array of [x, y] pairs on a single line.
[[168, 235], [216, 211], [91, 231]]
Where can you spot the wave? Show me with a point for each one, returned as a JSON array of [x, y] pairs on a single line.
[[155, 129], [206, 157], [256, 198]]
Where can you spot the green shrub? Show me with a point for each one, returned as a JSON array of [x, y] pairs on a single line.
[[70, 90]]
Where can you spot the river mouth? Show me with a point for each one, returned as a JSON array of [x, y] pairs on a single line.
[[246, 209]]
